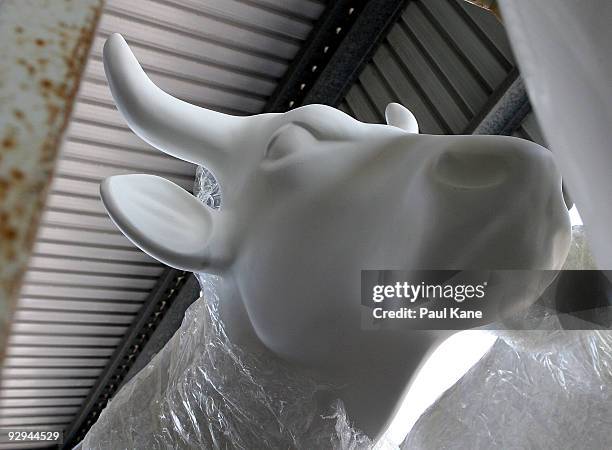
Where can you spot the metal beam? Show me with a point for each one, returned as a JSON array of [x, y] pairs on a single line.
[[42, 57], [169, 324], [505, 110], [339, 46]]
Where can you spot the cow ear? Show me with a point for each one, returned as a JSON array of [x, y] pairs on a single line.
[[400, 117], [161, 218]]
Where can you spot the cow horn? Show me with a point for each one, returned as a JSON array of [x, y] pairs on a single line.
[[186, 131]]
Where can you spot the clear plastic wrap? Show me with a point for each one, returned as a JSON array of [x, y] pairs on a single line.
[[534, 389], [544, 388], [201, 391], [580, 256]]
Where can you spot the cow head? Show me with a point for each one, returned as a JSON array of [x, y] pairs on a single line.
[[312, 196]]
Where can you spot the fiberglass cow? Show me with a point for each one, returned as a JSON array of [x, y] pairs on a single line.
[[310, 198]]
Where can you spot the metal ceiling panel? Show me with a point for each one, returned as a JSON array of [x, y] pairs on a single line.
[[27, 395], [49, 233], [61, 341], [86, 282], [14, 386], [443, 60], [95, 266]]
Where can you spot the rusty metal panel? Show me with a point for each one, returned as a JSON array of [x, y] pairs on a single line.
[[45, 44]]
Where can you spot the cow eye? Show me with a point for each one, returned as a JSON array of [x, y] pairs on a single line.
[[287, 140]]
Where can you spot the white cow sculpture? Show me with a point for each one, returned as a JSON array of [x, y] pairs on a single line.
[[310, 198]]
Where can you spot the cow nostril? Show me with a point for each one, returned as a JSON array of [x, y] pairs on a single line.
[[471, 169]]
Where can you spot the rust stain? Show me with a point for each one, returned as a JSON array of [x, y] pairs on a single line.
[[3, 190], [46, 84], [9, 142], [8, 233], [17, 174], [53, 111]]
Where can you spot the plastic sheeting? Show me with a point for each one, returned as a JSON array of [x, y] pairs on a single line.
[[546, 388], [527, 393], [580, 256], [201, 391], [534, 389]]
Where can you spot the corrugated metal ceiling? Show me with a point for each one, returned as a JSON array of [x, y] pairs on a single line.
[[443, 60], [86, 281]]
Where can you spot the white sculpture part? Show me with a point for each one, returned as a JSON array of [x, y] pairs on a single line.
[[563, 50], [399, 116], [183, 130], [138, 200], [310, 198]]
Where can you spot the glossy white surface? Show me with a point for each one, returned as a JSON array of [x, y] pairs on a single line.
[[563, 50]]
